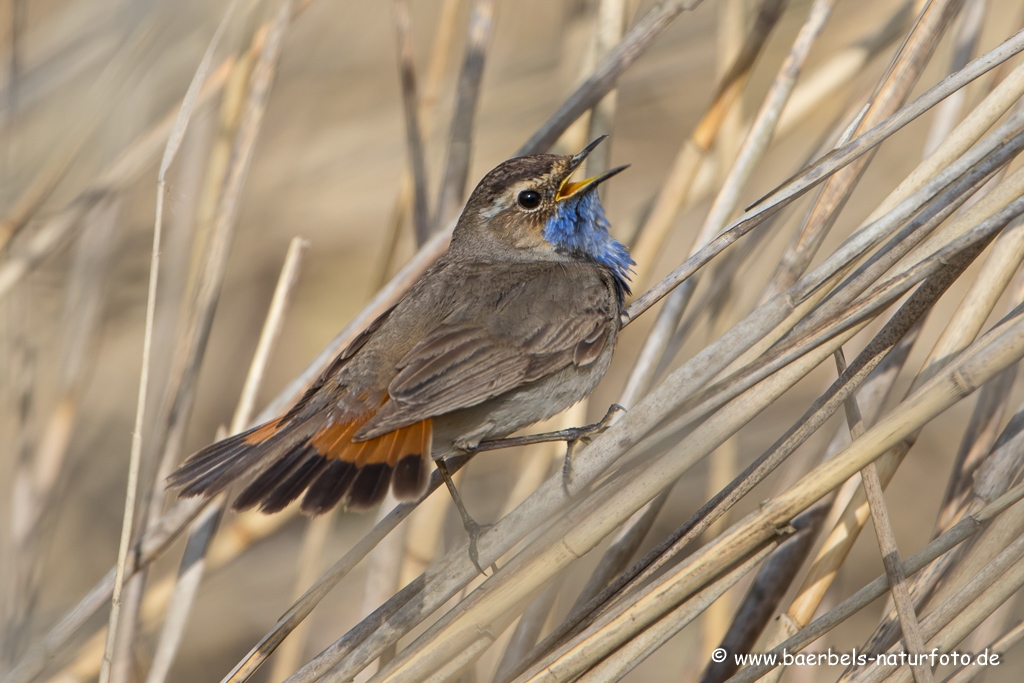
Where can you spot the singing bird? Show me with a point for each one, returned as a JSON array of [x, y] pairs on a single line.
[[513, 324]]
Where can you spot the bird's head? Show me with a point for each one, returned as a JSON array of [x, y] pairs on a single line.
[[529, 208]]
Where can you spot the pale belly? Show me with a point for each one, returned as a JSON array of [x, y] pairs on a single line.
[[500, 416]]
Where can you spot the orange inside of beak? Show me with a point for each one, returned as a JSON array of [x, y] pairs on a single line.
[[568, 189]]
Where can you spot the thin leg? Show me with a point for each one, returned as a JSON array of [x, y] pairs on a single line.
[[571, 435], [472, 528], [567, 470]]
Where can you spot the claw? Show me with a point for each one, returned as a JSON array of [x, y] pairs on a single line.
[[475, 530], [472, 527], [586, 435], [567, 469]]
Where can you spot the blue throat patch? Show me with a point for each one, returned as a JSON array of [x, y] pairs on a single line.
[[579, 227]]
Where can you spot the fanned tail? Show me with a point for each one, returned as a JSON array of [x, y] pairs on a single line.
[[292, 457]]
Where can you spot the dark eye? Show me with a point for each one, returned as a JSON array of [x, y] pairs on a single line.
[[529, 199]]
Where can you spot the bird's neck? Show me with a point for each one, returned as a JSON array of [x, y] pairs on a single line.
[[580, 229]]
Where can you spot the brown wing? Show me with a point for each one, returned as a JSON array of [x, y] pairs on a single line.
[[534, 328]]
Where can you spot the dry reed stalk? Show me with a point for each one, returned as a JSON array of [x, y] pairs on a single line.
[[749, 155], [532, 622], [993, 477], [203, 300], [246, 530], [193, 562], [958, 533], [872, 486], [831, 163], [978, 439], [1004, 260], [843, 67], [36, 474], [108, 666], [460, 138], [444, 575], [948, 113], [440, 54], [983, 360], [532, 474], [958, 616], [841, 539], [815, 89], [626, 658], [309, 566], [730, 27], [181, 388], [659, 343], [999, 646], [139, 154], [895, 339], [608, 27], [903, 74], [765, 593], [607, 71], [723, 277], [697, 147], [115, 77], [413, 131], [587, 519], [136, 157], [842, 311]]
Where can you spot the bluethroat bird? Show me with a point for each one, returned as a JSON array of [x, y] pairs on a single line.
[[515, 323]]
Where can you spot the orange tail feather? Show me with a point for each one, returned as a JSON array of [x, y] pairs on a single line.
[[325, 464]]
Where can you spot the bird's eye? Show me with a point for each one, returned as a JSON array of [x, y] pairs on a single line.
[[529, 199]]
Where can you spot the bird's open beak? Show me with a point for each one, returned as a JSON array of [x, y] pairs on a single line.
[[570, 189]]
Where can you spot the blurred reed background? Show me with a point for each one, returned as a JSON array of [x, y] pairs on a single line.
[[313, 169]]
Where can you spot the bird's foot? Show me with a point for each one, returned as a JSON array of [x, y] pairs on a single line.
[[475, 531], [584, 434]]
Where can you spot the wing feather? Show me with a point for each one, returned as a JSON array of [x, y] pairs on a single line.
[[467, 360]]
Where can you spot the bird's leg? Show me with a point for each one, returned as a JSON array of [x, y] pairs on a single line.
[[472, 527], [570, 436], [586, 433]]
